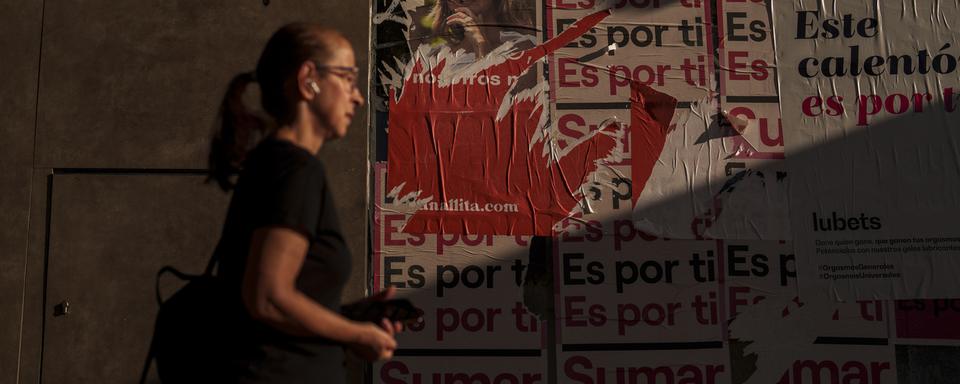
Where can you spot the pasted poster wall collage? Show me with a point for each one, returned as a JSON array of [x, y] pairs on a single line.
[[669, 191]]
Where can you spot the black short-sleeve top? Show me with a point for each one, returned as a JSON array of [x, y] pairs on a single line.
[[284, 185]]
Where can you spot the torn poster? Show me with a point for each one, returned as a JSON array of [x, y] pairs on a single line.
[[470, 148], [599, 114], [479, 293]]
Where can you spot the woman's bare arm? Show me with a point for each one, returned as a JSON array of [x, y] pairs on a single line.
[[270, 295]]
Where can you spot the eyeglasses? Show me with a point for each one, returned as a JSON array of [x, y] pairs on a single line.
[[347, 73]]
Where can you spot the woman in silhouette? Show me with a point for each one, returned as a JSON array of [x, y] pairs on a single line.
[[282, 255]]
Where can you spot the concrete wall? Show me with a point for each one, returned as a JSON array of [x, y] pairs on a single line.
[[20, 41], [108, 110]]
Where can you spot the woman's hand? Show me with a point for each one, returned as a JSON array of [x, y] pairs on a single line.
[[374, 343], [384, 295], [472, 37]]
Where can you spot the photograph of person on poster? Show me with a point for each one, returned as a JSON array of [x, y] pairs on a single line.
[[479, 26]]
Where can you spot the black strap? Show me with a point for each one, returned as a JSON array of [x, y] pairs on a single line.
[[173, 271], [211, 265], [151, 353], [150, 356]]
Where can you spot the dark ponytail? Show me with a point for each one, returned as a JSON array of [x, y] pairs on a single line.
[[240, 129]]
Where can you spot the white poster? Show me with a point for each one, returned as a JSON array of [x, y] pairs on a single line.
[[869, 99]]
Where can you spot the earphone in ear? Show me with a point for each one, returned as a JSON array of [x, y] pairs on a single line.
[[314, 86]]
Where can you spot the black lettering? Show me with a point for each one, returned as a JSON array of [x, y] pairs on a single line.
[[760, 267], [588, 40], [871, 64], [806, 64], [854, 60], [894, 62], [733, 260], [389, 272], [938, 61], [848, 26], [867, 27], [839, 223], [595, 270], [923, 55], [569, 269], [733, 26], [561, 25], [853, 223], [417, 280], [831, 29], [833, 67], [759, 29], [804, 26]]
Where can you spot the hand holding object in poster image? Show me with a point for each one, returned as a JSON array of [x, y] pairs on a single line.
[[479, 26], [463, 30]]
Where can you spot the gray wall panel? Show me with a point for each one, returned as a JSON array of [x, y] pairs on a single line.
[[137, 84], [15, 207], [20, 43], [109, 236], [32, 329]]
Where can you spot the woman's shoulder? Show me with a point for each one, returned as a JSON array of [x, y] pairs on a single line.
[[277, 153], [278, 162]]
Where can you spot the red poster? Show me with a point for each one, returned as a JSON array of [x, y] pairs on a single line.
[[476, 158]]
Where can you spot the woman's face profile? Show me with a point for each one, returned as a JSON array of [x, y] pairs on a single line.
[[339, 96]]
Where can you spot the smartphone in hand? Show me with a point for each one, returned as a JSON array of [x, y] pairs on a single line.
[[401, 310]]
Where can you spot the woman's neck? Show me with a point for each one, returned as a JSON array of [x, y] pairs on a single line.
[[301, 133]]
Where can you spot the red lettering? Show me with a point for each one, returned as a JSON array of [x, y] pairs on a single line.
[[639, 3], [565, 71], [735, 66], [574, 314], [812, 106], [897, 103], [620, 76], [570, 369], [390, 229], [864, 111], [760, 71], [765, 134], [386, 372], [835, 105], [563, 125], [584, 4]]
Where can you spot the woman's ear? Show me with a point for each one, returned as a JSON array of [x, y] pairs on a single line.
[[306, 83]]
